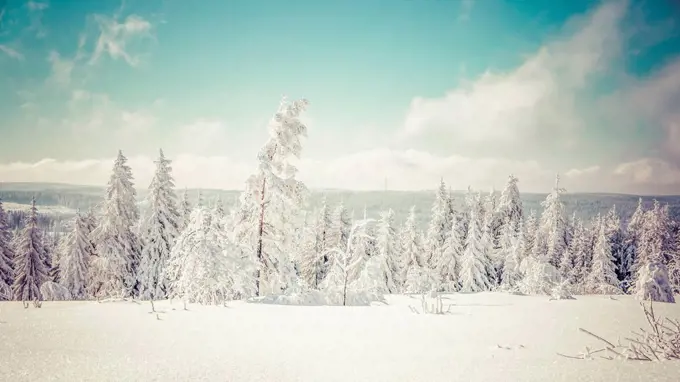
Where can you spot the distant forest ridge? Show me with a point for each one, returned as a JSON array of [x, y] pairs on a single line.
[[585, 205]]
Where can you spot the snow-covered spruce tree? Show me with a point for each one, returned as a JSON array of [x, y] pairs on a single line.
[[602, 277], [553, 224], [448, 268], [654, 245], [529, 234], [513, 241], [341, 224], [364, 247], [210, 269], [160, 231], [184, 210], [6, 256], [574, 257], [114, 269], [652, 283], [510, 204], [339, 284], [387, 248], [324, 222], [632, 240], [440, 226], [612, 223], [272, 199], [74, 260], [475, 264], [30, 270], [412, 267], [489, 241], [218, 208], [311, 265], [51, 255], [674, 265]]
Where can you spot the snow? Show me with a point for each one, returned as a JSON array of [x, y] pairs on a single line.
[[485, 337], [44, 210]]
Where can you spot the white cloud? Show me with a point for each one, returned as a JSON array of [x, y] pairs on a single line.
[[115, 36], [465, 9], [11, 52], [36, 6], [649, 171], [61, 69], [576, 173]]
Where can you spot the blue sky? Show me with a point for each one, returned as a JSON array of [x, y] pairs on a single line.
[[412, 91]]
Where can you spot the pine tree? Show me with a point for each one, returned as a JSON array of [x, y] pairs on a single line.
[[341, 224], [311, 262], [602, 277], [513, 243], [30, 270], [271, 202], [655, 241], [632, 240], [449, 266], [440, 226], [387, 248], [74, 261], [218, 208], [6, 257], [412, 263], [210, 269], [475, 264], [118, 247], [160, 231], [553, 224], [490, 241], [574, 256], [510, 204], [616, 242], [184, 210], [529, 233], [323, 229]]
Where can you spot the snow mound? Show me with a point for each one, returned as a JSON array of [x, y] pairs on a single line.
[[653, 284]]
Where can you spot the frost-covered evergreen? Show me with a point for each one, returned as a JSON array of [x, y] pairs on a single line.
[[552, 226], [118, 247], [655, 242], [411, 259], [448, 268], [30, 270], [6, 257], [512, 242], [652, 283], [270, 204], [340, 227], [74, 260], [160, 231], [210, 268], [440, 226], [475, 264], [387, 248], [529, 233], [602, 277], [632, 241], [510, 209], [488, 241], [184, 210]]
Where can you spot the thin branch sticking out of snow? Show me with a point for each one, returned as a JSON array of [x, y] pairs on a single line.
[[660, 342]]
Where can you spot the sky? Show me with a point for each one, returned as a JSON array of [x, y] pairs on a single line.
[[402, 93]]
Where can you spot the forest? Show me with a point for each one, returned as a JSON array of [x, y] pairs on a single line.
[[268, 247]]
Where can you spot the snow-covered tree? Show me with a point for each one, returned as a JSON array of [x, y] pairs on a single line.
[[655, 240], [553, 224], [74, 260], [475, 264], [512, 242], [184, 210], [529, 234], [632, 241], [574, 258], [411, 264], [602, 277], [118, 247], [510, 205], [365, 247], [488, 242], [218, 208], [652, 283], [342, 275], [160, 231], [448, 267], [272, 199], [30, 270], [6, 256], [341, 224], [440, 226], [210, 268], [311, 265], [387, 248]]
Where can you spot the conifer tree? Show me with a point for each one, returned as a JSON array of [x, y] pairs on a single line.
[[340, 227], [602, 277], [475, 264], [632, 241], [440, 226], [6, 257], [74, 259], [160, 231], [118, 247], [271, 202], [30, 270], [323, 229], [449, 266], [185, 210], [510, 204], [387, 248], [513, 242], [412, 264], [553, 224]]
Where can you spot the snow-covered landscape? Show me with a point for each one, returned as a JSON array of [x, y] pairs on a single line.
[[173, 217]]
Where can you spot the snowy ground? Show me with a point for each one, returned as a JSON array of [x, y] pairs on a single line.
[[486, 337]]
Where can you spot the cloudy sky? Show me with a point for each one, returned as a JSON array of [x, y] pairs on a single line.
[[400, 90]]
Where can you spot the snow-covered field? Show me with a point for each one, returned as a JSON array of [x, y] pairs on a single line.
[[485, 337]]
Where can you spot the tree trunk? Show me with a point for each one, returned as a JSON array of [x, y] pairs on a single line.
[[260, 233]]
